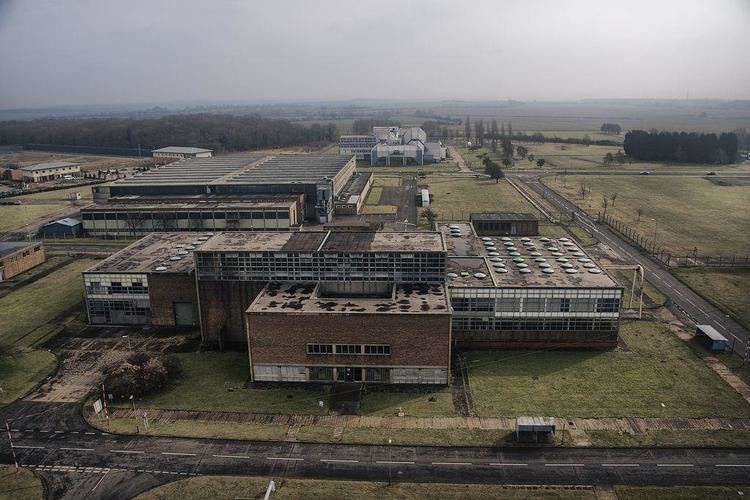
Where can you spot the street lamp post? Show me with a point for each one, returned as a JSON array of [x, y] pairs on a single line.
[[12, 448], [128, 339], [390, 460]]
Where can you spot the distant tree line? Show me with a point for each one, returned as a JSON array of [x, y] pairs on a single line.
[[219, 132], [681, 147], [610, 128], [477, 133]]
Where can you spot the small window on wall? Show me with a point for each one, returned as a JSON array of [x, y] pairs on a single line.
[[348, 349], [319, 348], [378, 350]]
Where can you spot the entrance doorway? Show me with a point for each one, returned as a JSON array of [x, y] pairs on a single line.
[[349, 374]]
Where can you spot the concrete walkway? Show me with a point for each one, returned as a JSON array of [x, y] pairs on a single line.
[[620, 424], [460, 161]]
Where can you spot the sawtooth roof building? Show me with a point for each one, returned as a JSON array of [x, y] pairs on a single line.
[[245, 178]]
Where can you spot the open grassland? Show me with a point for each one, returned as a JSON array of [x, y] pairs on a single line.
[[18, 375], [255, 487], [26, 314], [386, 180], [374, 197], [21, 485], [16, 216], [671, 439], [378, 209], [61, 195], [215, 381], [446, 166], [683, 212], [659, 376], [681, 492], [728, 288], [651, 296]]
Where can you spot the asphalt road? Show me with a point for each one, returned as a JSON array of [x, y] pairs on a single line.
[[685, 303], [52, 439]]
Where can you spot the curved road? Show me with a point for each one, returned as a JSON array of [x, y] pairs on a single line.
[[688, 305]]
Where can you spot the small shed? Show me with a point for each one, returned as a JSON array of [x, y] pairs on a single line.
[[504, 224], [62, 228], [534, 427], [710, 338]]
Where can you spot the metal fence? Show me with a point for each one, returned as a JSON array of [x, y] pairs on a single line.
[[667, 258]]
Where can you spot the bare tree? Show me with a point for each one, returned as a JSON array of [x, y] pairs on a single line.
[[613, 197], [638, 212], [430, 216], [605, 203], [540, 162], [582, 190], [134, 221]]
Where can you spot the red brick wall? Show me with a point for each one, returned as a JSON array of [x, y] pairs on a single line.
[[164, 290], [223, 305], [415, 339]]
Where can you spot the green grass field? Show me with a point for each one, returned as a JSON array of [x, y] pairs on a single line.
[[25, 314], [19, 375], [58, 195], [690, 212], [651, 296], [727, 288], [374, 197], [681, 492], [21, 485], [228, 487], [204, 372], [658, 377], [16, 216], [671, 439]]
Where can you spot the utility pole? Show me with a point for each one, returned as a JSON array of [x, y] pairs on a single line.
[[10, 440], [390, 461]]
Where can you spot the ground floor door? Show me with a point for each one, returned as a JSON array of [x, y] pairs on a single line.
[[349, 374], [183, 314]]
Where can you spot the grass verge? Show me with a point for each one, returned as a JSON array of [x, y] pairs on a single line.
[[728, 289], [21, 485], [671, 439], [20, 374], [659, 376], [255, 487], [680, 492]]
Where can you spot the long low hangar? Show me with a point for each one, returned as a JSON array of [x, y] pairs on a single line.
[[318, 179], [383, 307]]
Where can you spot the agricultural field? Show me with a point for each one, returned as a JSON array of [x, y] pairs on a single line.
[[683, 212], [728, 288], [657, 376]]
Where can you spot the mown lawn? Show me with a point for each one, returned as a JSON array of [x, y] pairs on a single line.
[[412, 404], [671, 439], [21, 485], [18, 375], [728, 288], [25, 313], [659, 376], [682, 213], [255, 487]]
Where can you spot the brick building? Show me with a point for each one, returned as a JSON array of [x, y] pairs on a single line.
[[504, 224], [19, 256]]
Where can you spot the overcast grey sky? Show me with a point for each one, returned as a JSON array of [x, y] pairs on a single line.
[[55, 52]]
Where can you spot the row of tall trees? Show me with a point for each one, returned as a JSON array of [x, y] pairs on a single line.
[[220, 132], [364, 125], [610, 128], [681, 147]]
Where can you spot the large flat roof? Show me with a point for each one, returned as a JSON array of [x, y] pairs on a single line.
[[241, 168], [566, 264], [171, 251], [303, 298], [162, 205], [492, 216], [332, 241]]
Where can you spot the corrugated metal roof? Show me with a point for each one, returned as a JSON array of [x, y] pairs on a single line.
[[9, 247], [502, 216], [67, 221]]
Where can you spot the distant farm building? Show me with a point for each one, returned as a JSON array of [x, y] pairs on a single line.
[[175, 153], [42, 172]]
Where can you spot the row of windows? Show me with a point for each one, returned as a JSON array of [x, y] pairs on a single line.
[[534, 325], [348, 374], [136, 288], [367, 349], [131, 216], [25, 253], [535, 304]]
